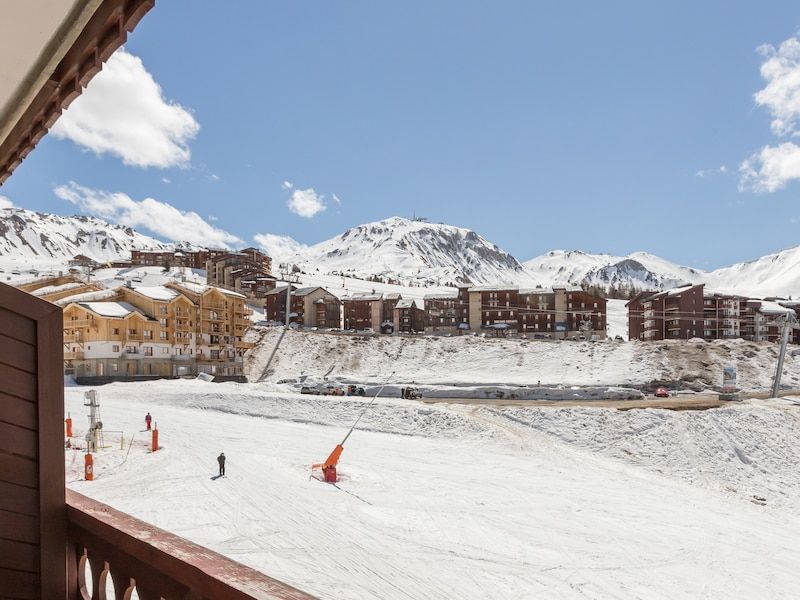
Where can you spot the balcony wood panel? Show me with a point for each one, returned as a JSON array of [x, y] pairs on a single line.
[[17, 411], [19, 528], [19, 556], [19, 585], [17, 382], [18, 441], [14, 327], [17, 354], [19, 499], [18, 470]]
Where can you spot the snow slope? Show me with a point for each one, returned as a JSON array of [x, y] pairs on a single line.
[[472, 360], [457, 502], [772, 275]]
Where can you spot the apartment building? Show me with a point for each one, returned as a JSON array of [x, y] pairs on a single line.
[[558, 313], [447, 313], [223, 318], [247, 271], [408, 317], [162, 331], [363, 311], [690, 311], [193, 259], [310, 307]]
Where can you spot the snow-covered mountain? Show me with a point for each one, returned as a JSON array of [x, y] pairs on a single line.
[[36, 236], [776, 274], [639, 270], [409, 250]]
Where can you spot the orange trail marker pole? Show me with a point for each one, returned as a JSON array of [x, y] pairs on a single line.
[[68, 422], [155, 438], [88, 467]]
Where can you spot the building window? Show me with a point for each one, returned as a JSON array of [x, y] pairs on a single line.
[[164, 350], [115, 331], [115, 348]]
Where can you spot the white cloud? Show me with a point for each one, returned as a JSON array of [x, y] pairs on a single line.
[[166, 180], [123, 112], [158, 217], [306, 203], [280, 247], [214, 177], [287, 185], [781, 95], [213, 218], [336, 199], [722, 169], [771, 168], [5, 202]]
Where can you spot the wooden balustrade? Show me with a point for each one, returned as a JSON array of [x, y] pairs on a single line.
[[154, 562]]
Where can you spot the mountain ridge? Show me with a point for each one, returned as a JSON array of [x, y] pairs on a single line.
[[412, 252]]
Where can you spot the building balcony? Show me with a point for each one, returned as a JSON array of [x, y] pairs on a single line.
[[80, 324], [213, 306], [73, 337], [153, 562], [244, 345], [182, 326], [181, 357], [182, 313], [213, 317], [76, 355]]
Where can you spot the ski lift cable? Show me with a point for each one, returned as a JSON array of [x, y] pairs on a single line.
[[367, 407]]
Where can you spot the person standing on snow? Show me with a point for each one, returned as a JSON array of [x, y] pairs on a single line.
[[147, 420], [221, 461]]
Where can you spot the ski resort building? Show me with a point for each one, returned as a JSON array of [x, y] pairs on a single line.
[[558, 313], [192, 259], [156, 331], [690, 311], [247, 271], [447, 313], [408, 317], [363, 311], [311, 307]]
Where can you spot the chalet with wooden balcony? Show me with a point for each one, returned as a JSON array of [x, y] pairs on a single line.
[[363, 311], [311, 307], [408, 316]]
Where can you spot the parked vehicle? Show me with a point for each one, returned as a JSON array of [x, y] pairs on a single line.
[[662, 392], [618, 338], [309, 390], [411, 393]]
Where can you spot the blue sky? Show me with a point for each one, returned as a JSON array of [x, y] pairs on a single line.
[[608, 127]]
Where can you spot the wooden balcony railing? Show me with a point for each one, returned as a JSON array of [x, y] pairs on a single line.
[[157, 564]]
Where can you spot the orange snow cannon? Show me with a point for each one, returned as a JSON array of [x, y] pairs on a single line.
[[329, 466]]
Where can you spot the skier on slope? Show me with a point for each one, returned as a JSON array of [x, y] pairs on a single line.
[[221, 461], [147, 420]]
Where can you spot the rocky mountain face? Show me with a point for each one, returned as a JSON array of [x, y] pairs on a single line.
[[53, 238], [406, 250]]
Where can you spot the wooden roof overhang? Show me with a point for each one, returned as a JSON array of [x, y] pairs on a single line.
[[88, 35]]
